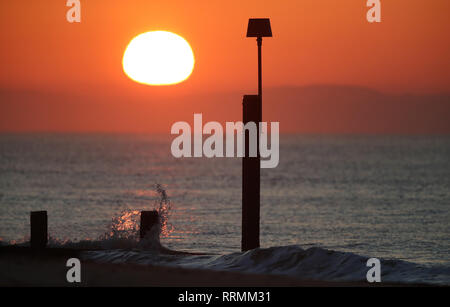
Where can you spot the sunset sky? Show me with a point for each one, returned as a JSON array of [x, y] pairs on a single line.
[[60, 76]]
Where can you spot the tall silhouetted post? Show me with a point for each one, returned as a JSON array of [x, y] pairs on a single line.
[[148, 220], [251, 166], [39, 234]]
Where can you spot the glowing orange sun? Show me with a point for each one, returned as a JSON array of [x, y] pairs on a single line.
[[158, 58]]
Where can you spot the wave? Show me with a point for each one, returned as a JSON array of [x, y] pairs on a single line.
[[314, 263]]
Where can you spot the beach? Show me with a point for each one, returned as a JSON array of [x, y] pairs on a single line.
[[20, 266]]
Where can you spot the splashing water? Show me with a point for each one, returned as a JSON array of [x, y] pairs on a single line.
[[125, 226], [164, 206], [123, 231]]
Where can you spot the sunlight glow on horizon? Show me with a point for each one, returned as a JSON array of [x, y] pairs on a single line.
[[158, 58]]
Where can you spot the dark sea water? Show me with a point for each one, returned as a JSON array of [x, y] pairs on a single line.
[[332, 201]]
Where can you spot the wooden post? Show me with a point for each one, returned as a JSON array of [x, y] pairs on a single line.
[[251, 178], [148, 220], [39, 234]]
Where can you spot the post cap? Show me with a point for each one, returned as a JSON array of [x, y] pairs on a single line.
[[259, 27]]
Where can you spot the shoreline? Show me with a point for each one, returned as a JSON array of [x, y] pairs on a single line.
[[22, 266]]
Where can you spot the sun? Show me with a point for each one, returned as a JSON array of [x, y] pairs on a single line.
[[158, 58]]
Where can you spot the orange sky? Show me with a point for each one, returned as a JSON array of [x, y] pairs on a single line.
[[315, 42]]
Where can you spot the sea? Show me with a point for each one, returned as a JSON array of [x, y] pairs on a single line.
[[332, 203]]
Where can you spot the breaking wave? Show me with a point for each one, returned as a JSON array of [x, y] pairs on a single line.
[[305, 264]]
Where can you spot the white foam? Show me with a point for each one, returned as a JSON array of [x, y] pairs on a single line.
[[306, 264]]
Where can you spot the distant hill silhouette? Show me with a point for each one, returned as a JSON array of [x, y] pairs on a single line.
[[324, 109], [351, 109]]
